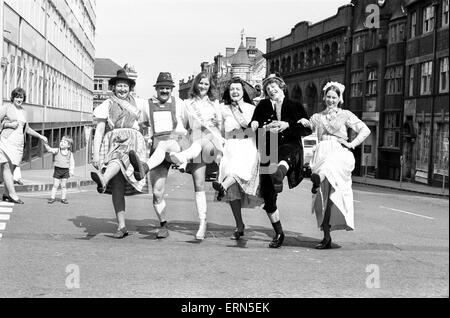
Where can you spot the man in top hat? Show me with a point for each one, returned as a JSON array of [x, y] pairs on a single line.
[[166, 114], [279, 117]]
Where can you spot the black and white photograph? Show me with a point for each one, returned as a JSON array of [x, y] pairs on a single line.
[[223, 156]]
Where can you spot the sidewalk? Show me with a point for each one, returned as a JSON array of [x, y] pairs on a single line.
[[42, 180], [405, 186]]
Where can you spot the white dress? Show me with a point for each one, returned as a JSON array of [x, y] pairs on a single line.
[[335, 163], [240, 158]]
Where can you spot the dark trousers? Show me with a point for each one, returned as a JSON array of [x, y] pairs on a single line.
[[291, 153]]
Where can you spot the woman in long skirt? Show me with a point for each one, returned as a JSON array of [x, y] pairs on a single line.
[[333, 163]]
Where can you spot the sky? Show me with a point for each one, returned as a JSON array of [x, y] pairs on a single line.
[[177, 35]]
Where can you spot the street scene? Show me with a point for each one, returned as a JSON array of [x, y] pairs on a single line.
[[401, 236], [190, 150]]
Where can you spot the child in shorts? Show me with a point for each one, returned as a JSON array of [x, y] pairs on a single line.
[[64, 164]]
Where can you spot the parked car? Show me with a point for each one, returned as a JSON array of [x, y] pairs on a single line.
[[309, 146]]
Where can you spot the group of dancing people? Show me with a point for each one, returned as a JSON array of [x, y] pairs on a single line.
[[256, 148]]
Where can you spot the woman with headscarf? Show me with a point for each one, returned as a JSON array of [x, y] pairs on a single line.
[[120, 128], [239, 167], [333, 163]]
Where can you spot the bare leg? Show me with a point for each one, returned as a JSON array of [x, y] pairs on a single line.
[[8, 169], [56, 183], [112, 170], [63, 189]]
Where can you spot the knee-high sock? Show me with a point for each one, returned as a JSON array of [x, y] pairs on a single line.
[[275, 220], [54, 189], [63, 192], [200, 201], [156, 158], [160, 210], [182, 157]]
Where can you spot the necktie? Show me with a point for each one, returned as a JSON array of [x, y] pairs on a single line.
[[278, 110]]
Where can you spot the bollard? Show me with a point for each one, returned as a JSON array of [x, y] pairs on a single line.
[[401, 170]]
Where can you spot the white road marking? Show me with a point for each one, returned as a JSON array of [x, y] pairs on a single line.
[[2, 226], [47, 193], [401, 211], [1, 235], [5, 204], [356, 201], [6, 210], [4, 217]]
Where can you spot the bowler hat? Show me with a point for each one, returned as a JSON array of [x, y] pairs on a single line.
[[122, 76], [164, 79]]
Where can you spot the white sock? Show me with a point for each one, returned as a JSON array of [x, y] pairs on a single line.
[[274, 217], [200, 201], [284, 163], [54, 189], [160, 210]]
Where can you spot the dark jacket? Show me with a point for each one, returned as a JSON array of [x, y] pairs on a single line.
[[291, 112]]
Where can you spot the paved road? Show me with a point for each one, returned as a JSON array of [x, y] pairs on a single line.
[[400, 248]]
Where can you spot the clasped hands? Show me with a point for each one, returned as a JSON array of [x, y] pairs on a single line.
[[275, 126]]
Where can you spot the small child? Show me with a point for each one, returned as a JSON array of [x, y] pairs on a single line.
[[64, 167]]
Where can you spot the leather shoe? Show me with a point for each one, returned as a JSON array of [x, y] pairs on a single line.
[[315, 179], [237, 234], [140, 168], [277, 241], [98, 178], [121, 233], [220, 189], [277, 178], [7, 198], [325, 244]]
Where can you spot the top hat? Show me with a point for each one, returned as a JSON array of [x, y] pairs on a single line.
[[164, 79], [122, 76]]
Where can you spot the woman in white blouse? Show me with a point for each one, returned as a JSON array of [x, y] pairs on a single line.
[[239, 168], [203, 118], [333, 163]]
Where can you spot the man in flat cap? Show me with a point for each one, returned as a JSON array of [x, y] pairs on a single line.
[[166, 114]]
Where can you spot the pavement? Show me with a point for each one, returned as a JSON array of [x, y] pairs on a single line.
[[42, 180]]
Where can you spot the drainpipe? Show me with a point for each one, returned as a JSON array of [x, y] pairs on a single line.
[[434, 90]]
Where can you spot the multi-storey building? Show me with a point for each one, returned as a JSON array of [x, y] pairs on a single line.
[[247, 63], [426, 98], [48, 49]]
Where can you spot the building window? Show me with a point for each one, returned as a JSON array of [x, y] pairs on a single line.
[[412, 70], [98, 85], [440, 148], [425, 78], [371, 84], [445, 13], [413, 24], [394, 80], [392, 130], [396, 33], [443, 75], [428, 19], [356, 85], [359, 43]]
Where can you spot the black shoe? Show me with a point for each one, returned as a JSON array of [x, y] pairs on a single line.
[[98, 178], [277, 241], [277, 178], [7, 198], [315, 179], [219, 188], [51, 201], [237, 234], [64, 201], [140, 168], [121, 233], [325, 244]]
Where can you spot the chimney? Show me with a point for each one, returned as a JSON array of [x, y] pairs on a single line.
[[229, 51], [250, 42]]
